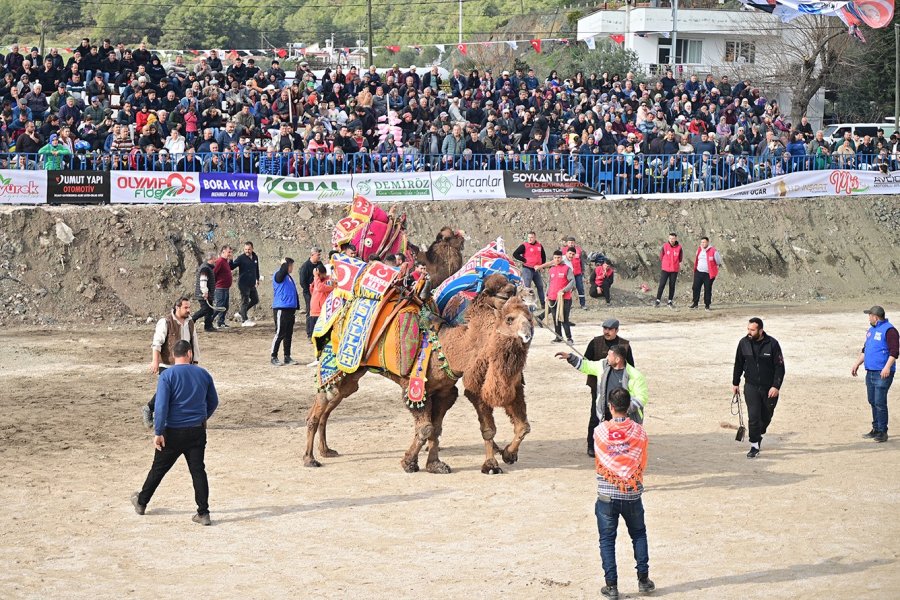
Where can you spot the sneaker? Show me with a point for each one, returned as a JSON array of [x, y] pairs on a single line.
[[872, 433], [237, 317], [138, 507], [584, 308], [754, 452], [224, 326], [645, 585], [147, 416], [209, 329], [656, 304], [556, 341], [590, 452], [276, 362], [289, 361], [202, 519], [708, 309], [570, 341], [669, 304], [881, 436], [248, 323], [610, 591], [692, 306]]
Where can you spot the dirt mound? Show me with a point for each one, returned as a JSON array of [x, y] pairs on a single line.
[[116, 265]]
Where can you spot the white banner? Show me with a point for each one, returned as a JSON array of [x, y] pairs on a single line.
[[23, 187], [467, 185], [154, 187], [328, 188], [395, 187]]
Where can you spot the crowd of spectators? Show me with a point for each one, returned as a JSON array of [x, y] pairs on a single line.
[[108, 107]]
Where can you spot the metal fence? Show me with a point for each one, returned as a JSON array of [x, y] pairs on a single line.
[[607, 173]]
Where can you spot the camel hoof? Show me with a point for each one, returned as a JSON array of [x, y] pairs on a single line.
[[509, 457], [329, 453], [409, 467], [438, 467], [491, 468], [311, 462]]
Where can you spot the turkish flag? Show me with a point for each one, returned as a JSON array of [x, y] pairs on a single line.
[[281, 53], [462, 49], [393, 49], [536, 44], [233, 54], [618, 38]]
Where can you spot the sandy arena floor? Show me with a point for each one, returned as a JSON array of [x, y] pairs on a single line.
[[814, 517]]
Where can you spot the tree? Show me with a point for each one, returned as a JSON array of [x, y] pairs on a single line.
[[865, 84]]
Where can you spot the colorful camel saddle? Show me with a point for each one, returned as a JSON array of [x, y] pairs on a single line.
[[373, 231], [454, 295]]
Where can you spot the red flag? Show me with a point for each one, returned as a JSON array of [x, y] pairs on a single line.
[[233, 54], [462, 49], [281, 53], [194, 52], [393, 49], [536, 44], [617, 38]]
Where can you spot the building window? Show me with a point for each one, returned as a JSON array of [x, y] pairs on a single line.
[[689, 52], [740, 52]]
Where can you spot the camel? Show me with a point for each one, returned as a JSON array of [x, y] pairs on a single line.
[[488, 352], [444, 256]]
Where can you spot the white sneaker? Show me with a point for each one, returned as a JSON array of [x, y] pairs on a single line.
[[248, 323], [237, 317]]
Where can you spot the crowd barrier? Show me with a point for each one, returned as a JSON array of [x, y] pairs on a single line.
[[139, 179]]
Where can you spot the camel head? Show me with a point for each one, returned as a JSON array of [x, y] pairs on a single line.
[[455, 238]]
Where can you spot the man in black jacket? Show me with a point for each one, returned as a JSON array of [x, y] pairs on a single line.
[[760, 361], [597, 349], [203, 289], [248, 279], [306, 275]]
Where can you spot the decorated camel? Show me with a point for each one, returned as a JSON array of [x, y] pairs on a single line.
[[488, 351]]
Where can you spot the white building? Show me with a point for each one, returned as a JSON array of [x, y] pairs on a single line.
[[718, 42]]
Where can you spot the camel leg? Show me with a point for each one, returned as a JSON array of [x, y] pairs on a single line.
[[324, 404], [441, 403], [346, 389], [521, 428], [488, 431], [424, 430]]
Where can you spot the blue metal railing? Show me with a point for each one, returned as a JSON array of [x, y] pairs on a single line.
[[608, 173]]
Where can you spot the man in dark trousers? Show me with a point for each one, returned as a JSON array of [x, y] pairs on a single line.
[[597, 349], [174, 327], [285, 303], [670, 263], [760, 361], [532, 256], [306, 275], [204, 290], [185, 399], [879, 355], [224, 279], [706, 269], [248, 279]]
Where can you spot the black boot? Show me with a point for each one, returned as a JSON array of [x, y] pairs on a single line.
[[610, 591], [645, 585], [872, 433], [880, 436]]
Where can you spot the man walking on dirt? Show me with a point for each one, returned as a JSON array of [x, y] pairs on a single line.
[[576, 259], [598, 349], [285, 303], [307, 274], [532, 256], [224, 279], [185, 399], [171, 329], [670, 258], [760, 361], [706, 269], [879, 355], [559, 295], [248, 280], [204, 289]]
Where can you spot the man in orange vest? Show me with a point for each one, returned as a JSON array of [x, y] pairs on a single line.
[[670, 258], [532, 256], [577, 262], [559, 295], [706, 268]]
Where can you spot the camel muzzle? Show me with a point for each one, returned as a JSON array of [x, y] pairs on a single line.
[[526, 334]]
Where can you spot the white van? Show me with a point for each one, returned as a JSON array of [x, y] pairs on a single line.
[[836, 132]]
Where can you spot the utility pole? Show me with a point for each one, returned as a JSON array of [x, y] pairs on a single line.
[[41, 49], [896, 76], [675, 33], [460, 21], [369, 14]]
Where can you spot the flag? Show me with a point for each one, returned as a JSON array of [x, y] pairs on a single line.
[[440, 48], [462, 49], [617, 38], [513, 45], [536, 44], [233, 54], [591, 43], [392, 49], [281, 53]]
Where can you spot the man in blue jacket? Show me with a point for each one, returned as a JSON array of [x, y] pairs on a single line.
[[879, 355], [185, 399], [285, 303]]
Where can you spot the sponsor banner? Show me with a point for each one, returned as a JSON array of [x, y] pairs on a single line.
[[467, 185], [228, 187], [23, 187], [397, 187], [77, 187], [540, 184], [154, 187], [328, 188]]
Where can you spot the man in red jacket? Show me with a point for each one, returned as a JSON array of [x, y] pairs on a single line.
[[532, 256], [559, 295], [222, 271], [577, 262], [670, 258], [706, 268]]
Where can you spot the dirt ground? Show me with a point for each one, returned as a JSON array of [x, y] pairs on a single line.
[[815, 516]]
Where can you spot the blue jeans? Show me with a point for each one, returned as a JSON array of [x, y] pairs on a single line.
[[579, 286], [632, 511], [222, 299], [529, 275], [877, 389]]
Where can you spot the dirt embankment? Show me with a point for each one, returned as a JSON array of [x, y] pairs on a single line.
[[116, 265]]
